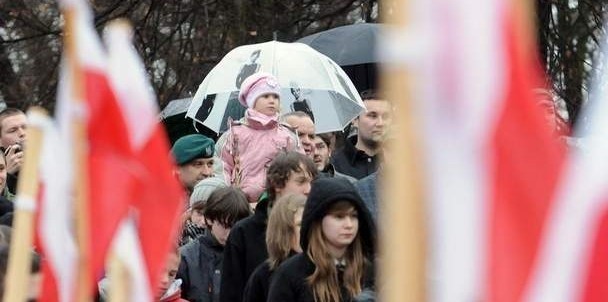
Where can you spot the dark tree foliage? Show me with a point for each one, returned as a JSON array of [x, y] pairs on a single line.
[[569, 36], [179, 40]]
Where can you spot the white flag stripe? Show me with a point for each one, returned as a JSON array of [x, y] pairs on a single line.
[[126, 245], [461, 88], [128, 77], [56, 211]]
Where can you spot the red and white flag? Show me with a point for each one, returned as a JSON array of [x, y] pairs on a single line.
[[157, 202], [572, 264], [492, 162], [108, 158]]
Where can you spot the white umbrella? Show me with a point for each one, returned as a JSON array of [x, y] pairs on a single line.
[[310, 82]]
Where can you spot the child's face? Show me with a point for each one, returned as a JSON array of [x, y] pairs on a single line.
[[297, 183], [340, 228], [169, 273], [197, 218], [219, 231], [267, 104]]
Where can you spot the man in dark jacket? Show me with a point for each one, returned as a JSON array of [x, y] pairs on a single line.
[[289, 173], [360, 155], [322, 156]]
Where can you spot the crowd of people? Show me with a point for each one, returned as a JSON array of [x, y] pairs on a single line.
[[276, 211]]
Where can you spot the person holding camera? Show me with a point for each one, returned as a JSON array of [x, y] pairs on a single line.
[[13, 126]]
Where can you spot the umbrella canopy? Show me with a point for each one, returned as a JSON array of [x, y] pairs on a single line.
[[310, 82], [176, 124], [353, 47], [347, 45]]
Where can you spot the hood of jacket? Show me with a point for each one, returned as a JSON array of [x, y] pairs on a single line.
[[324, 193]]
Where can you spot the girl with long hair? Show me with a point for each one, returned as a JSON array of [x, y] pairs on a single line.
[[337, 239], [282, 242]]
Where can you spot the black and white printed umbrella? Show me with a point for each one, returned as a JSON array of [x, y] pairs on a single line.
[[310, 82]]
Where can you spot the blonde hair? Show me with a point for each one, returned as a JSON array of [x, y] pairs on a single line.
[[324, 280], [281, 230]]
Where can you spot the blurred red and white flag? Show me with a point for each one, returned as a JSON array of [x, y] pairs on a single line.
[[572, 263], [150, 230], [491, 160], [85, 94], [54, 229]]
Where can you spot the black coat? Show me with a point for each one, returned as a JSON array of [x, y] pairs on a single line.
[[289, 281], [245, 250], [200, 269], [257, 286], [353, 162]]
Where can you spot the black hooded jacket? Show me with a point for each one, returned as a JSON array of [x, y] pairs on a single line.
[[289, 281]]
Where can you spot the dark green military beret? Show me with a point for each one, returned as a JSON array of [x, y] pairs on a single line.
[[191, 147]]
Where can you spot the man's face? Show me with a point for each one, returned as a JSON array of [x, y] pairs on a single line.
[[13, 130], [297, 183], [373, 124], [321, 153], [193, 172], [306, 132]]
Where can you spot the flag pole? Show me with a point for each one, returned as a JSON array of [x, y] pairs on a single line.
[[402, 233], [20, 257], [118, 274], [83, 292], [119, 279]]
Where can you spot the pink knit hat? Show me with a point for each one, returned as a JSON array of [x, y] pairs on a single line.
[[256, 85]]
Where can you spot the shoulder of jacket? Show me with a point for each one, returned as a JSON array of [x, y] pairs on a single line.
[[190, 250]]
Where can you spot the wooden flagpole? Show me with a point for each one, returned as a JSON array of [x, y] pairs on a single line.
[[402, 274], [118, 273], [20, 257], [84, 286], [119, 279]]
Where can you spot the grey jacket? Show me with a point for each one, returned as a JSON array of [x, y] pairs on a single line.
[[200, 269]]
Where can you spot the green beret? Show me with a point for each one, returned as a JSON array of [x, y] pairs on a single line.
[[190, 147]]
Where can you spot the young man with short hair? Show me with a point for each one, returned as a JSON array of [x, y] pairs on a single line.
[[289, 173], [360, 155], [322, 157], [13, 126]]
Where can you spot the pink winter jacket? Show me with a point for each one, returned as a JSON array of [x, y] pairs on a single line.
[[254, 141]]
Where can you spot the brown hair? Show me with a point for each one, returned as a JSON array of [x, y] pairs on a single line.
[[281, 230], [226, 206], [324, 280], [282, 166], [8, 112], [372, 94]]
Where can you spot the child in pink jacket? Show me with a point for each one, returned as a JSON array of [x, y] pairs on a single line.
[[250, 144]]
